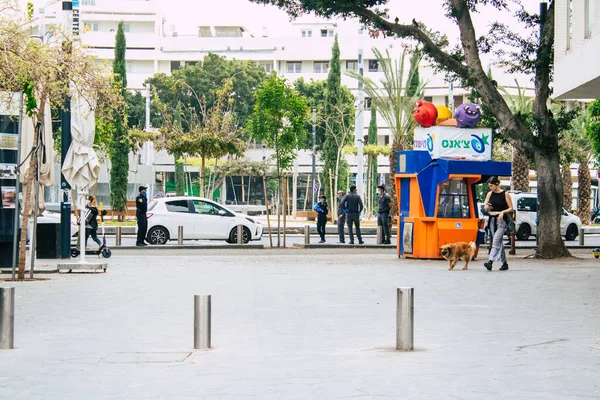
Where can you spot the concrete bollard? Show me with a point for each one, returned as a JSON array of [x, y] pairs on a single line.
[[306, 234], [379, 234], [405, 319], [7, 318], [581, 237], [180, 235], [202, 323], [240, 234], [118, 236]]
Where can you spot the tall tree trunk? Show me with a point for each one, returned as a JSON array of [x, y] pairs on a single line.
[[202, 170], [243, 187], [584, 189], [267, 210], [391, 188], [567, 181], [550, 200], [520, 170]]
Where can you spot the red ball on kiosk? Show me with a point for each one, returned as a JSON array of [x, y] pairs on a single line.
[[425, 113]]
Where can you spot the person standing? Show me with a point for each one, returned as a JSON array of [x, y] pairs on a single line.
[[141, 206], [499, 205], [322, 209], [354, 206], [383, 213], [341, 217]]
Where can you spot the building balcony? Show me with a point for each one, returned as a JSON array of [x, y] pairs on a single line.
[[107, 39]]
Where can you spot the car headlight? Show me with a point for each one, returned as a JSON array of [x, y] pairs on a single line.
[[251, 220]]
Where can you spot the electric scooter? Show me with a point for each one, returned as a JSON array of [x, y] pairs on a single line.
[[103, 251]]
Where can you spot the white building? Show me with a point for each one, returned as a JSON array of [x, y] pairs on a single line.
[[577, 49], [301, 49]]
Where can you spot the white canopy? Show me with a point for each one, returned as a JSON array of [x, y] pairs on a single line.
[[46, 157], [81, 167]]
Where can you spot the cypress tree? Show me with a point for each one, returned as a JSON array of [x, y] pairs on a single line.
[[372, 139], [333, 101], [119, 151]]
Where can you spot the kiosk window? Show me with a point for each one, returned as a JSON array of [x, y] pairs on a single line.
[[454, 199]]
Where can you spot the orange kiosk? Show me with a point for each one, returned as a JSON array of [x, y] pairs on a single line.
[[437, 201]]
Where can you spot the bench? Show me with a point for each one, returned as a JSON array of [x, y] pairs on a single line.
[[589, 230], [309, 215]]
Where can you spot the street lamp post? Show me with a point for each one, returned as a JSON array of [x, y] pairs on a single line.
[[314, 153]]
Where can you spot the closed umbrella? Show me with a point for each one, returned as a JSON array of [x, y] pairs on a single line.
[[81, 167]]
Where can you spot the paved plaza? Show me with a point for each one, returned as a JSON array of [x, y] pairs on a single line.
[[306, 324]]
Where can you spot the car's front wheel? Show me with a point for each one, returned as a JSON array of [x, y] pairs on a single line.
[[158, 235], [572, 232], [233, 235], [524, 232]]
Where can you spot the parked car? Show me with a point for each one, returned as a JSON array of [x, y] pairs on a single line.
[[526, 206], [201, 219]]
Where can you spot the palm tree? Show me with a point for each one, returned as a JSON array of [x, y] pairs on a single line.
[[395, 98], [575, 143], [520, 105]]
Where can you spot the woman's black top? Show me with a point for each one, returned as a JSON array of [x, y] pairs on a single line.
[[90, 217], [499, 203]]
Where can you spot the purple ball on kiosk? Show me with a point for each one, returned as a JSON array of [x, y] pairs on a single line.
[[468, 115]]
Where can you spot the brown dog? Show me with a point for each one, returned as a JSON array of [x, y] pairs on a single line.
[[455, 251]]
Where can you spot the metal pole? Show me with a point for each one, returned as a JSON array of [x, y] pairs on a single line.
[[359, 127], [7, 318], [379, 234], [306, 234], [581, 239], [240, 234], [180, 235], [314, 153], [202, 323], [118, 236], [16, 227], [405, 319], [35, 207]]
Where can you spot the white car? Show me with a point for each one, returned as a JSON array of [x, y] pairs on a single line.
[[526, 217], [201, 219]]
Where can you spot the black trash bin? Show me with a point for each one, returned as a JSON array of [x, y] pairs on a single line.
[[48, 240]]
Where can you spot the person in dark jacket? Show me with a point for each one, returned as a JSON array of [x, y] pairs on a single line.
[[353, 205], [383, 213], [341, 216], [141, 206], [91, 224], [322, 209]]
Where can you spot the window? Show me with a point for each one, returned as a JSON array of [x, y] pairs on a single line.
[[175, 65], [268, 67], [373, 65], [294, 67], [454, 199], [386, 140], [367, 103], [458, 100], [306, 33], [91, 26], [206, 208], [321, 67], [326, 32], [428, 98], [180, 206], [126, 28], [127, 66], [527, 204], [352, 65], [152, 204], [588, 18], [569, 23]]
